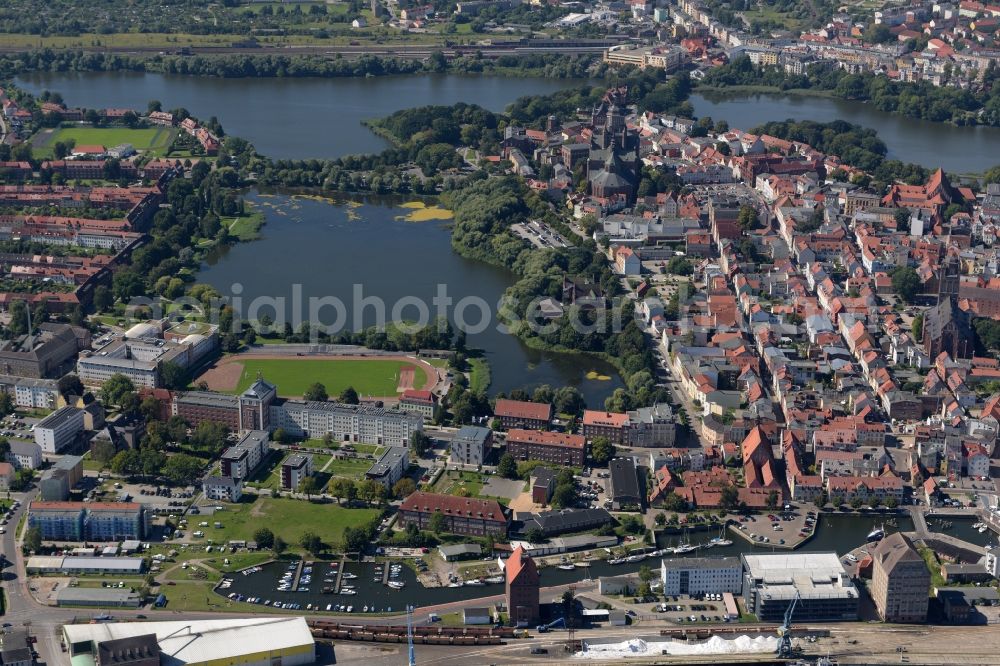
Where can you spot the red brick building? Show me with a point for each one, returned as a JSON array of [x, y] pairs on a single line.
[[463, 515], [553, 447], [520, 414], [522, 589], [613, 425]]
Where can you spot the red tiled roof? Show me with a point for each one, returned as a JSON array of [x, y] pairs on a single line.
[[607, 419], [519, 563], [418, 396], [546, 438], [523, 410], [450, 505]]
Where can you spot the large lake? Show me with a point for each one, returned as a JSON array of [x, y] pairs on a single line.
[[955, 149], [293, 117], [305, 117], [332, 249]]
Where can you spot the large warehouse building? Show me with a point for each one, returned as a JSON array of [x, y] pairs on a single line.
[[241, 642]]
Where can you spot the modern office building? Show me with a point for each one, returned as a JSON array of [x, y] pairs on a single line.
[[390, 466], [701, 575], [900, 580], [771, 582], [241, 460], [559, 448], [59, 429], [143, 350], [271, 641], [471, 445], [222, 488], [294, 469]]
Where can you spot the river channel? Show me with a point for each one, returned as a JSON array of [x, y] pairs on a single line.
[[291, 118], [837, 532], [956, 149], [363, 248], [310, 117]]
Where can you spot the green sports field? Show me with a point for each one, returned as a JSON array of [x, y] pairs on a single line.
[[154, 141], [293, 376]]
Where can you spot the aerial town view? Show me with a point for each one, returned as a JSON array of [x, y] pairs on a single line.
[[499, 332]]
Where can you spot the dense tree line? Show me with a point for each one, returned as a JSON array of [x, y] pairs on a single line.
[[101, 17], [913, 100], [855, 145], [246, 66], [645, 88], [484, 211]]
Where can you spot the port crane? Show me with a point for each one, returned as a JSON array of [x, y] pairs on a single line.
[[409, 635], [785, 630]]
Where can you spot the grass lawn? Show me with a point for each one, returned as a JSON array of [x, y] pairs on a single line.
[[197, 596], [351, 468], [90, 464], [154, 140], [246, 227], [479, 375], [193, 572], [293, 376], [268, 475], [451, 483], [288, 518]]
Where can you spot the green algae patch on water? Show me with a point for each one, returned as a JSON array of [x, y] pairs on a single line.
[[596, 376], [421, 212]]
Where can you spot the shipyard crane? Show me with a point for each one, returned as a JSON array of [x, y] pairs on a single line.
[[409, 635], [785, 630]]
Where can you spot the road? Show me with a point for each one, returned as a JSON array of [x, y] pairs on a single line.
[[410, 51]]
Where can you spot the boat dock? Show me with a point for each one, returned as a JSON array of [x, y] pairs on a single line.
[[297, 576], [989, 519], [385, 572], [340, 576]]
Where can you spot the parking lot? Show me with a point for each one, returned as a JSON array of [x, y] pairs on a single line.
[[785, 528], [539, 235], [708, 608]]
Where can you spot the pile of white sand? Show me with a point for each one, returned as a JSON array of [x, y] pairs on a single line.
[[715, 645]]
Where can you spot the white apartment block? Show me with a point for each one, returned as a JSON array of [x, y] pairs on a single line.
[[59, 429], [390, 466], [25, 455], [701, 575], [36, 393], [240, 461], [346, 423]]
